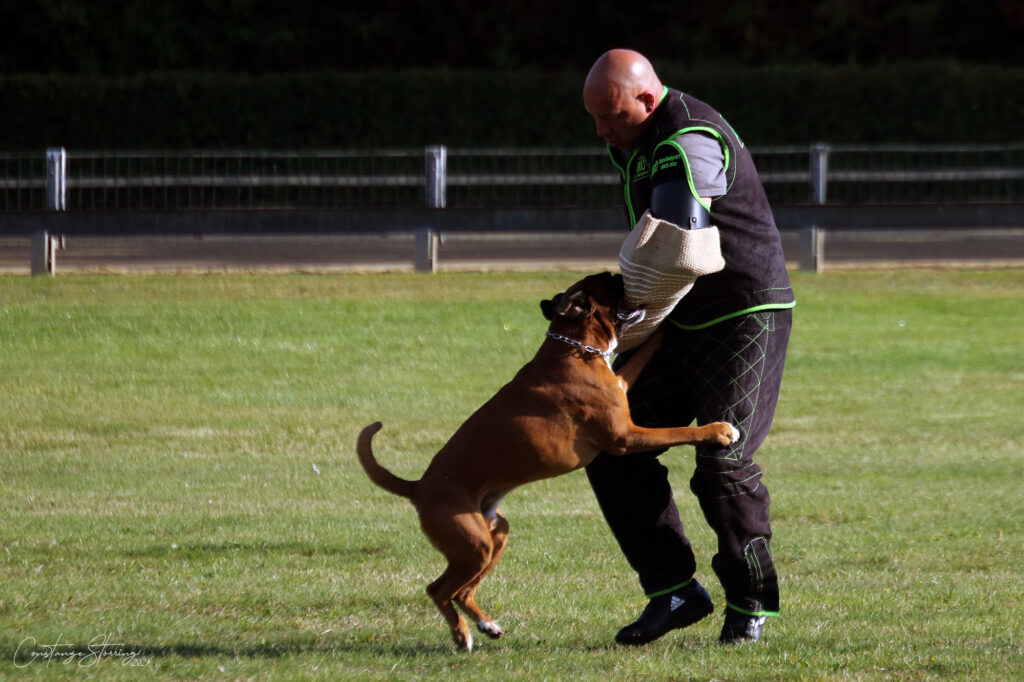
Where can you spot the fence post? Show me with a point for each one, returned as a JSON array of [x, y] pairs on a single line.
[[812, 248], [819, 172], [437, 176], [43, 244], [812, 238], [429, 239]]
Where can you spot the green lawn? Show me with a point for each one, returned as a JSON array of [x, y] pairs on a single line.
[[178, 483]]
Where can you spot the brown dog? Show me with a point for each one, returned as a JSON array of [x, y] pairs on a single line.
[[561, 409]]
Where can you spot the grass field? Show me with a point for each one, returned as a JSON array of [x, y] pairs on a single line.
[[179, 495]]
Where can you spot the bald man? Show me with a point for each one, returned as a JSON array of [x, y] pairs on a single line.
[[721, 358]]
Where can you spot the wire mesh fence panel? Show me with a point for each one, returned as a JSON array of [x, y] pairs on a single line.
[[23, 182], [785, 174], [489, 178], [244, 180], [925, 174]]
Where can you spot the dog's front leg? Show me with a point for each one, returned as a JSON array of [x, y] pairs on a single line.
[[631, 438], [715, 433], [629, 372]]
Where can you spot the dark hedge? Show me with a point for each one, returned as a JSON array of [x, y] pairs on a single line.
[[923, 103]]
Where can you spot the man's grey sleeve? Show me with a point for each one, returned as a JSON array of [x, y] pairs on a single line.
[[659, 261], [683, 171], [706, 161]]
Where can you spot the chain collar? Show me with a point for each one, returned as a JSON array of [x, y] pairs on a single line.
[[582, 346]]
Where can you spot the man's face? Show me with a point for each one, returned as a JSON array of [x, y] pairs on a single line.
[[620, 118]]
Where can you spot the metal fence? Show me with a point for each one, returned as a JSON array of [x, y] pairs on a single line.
[[489, 178]]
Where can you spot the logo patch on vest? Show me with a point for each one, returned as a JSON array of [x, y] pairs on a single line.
[[642, 170]]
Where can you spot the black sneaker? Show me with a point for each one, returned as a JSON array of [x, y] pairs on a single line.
[[668, 612], [739, 627]]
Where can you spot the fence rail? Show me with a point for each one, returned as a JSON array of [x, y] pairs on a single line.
[[491, 178], [60, 193]]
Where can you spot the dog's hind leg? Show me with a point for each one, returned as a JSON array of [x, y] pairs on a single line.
[[466, 542], [439, 592], [466, 597]]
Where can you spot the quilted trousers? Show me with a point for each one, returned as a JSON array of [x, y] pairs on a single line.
[[731, 371]]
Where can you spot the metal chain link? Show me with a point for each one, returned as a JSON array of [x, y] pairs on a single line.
[[582, 346]]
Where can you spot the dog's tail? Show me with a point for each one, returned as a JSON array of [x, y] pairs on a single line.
[[378, 474]]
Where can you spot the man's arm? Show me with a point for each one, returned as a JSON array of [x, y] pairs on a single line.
[[687, 172]]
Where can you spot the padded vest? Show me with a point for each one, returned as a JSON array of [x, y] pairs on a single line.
[[755, 275]]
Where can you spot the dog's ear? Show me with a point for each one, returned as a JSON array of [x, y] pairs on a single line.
[[548, 307], [579, 306], [575, 307]]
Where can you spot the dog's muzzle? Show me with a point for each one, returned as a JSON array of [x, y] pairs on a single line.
[[626, 316]]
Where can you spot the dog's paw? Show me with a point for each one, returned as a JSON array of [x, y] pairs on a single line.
[[725, 433], [734, 434], [463, 639], [490, 628]]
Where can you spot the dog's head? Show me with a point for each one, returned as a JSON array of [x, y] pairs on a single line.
[[601, 298]]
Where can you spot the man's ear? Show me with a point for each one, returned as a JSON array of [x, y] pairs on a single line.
[[649, 101]]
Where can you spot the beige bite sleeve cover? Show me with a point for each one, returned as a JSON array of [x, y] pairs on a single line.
[[659, 262]]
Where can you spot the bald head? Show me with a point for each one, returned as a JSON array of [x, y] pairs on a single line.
[[620, 93], [625, 69]]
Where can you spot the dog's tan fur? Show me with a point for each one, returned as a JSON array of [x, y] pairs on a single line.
[[560, 410]]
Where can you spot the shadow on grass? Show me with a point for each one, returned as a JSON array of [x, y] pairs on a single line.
[[207, 549], [283, 649], [30, 652]]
